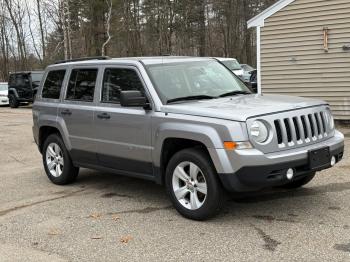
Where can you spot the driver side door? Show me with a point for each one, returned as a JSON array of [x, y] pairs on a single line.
[[123, 134]]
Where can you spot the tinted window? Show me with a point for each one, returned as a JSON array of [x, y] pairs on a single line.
[[82, 85], [116, 80], [21, 80], [12, 80], [53, 84]]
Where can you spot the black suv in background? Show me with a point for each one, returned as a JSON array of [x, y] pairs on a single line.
[[23, 87]]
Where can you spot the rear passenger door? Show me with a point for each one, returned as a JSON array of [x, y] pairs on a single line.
[[123, 135], [77, 113]]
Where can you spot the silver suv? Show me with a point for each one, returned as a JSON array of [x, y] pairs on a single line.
[[187, 123]]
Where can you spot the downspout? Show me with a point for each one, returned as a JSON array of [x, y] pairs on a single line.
[[258, 58]]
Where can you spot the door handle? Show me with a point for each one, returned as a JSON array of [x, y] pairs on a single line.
[[66, 112], [103, 116]]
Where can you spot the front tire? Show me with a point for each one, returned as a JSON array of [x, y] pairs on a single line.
[[192, 184], [13, 101], [57, 162], [301, 182]]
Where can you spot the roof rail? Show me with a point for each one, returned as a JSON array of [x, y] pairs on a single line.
[[83, 59]]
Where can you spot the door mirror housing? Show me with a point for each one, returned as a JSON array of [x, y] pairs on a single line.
[[133, 99]]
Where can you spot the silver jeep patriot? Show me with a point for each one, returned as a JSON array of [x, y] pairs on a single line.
[[188, 123]]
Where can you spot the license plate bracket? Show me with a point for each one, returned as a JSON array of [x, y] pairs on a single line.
[[319, 158]]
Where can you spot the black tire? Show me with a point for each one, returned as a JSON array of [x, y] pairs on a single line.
[[69, 172], [13, 101], [299, 183], [213, 201]]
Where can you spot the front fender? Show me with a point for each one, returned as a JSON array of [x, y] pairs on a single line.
[[13, 91], [204, 134]]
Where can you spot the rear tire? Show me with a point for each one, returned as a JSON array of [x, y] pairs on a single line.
[[301, 182], [13, 101], [57, 161], [193, 185]]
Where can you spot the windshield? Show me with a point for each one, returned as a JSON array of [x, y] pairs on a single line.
[[232, 64], [3, 87], [188, 79], [36, 77], [247, 68]]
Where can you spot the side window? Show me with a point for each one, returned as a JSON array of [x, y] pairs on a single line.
[[81, 85], [53, 84], [116, 80], [12, 81], [20, 80]]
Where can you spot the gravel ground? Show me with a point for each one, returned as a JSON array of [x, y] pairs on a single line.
[[104, 217]]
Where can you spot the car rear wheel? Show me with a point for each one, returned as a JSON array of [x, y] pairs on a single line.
[[301, 182], [13, 101], [193, 185], [57, 162]]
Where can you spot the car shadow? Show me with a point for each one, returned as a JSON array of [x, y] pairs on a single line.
[[274, 204]]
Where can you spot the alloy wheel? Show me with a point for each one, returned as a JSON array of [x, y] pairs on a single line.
[[189, 185], [54, 160]]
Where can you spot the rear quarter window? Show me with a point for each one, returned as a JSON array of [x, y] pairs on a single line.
[[53, 84]]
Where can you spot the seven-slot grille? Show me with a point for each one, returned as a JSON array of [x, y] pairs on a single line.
[[301, 129]]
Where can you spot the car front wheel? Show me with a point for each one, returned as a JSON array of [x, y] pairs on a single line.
[[193, 185], [13, 101]]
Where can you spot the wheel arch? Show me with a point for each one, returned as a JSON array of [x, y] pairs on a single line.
[[47, 129], [13, 91], [171, 139]]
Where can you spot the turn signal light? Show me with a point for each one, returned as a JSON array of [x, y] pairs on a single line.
[[230, 145]]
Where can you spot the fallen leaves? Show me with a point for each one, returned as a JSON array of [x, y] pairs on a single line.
[[53, 232], [95, 216], [126, 239], [115, 218]]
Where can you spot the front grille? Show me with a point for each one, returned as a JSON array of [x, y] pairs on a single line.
[[300, 129]]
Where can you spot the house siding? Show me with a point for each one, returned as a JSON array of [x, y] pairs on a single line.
[[293, 60]]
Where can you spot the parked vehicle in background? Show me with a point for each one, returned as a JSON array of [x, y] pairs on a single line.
[[233, 65], [253, 81], [188, 123], [23, 87], [247, 71], [3, 94]]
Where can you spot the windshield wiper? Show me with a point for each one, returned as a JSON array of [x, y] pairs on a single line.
[[187, 98], [234, 93]]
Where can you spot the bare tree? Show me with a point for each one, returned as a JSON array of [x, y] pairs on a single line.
[[108, 25], [41, 28], [16, 15], [65, 19], [32, 34]]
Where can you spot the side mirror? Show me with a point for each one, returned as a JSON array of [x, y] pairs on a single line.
[[133, 99]]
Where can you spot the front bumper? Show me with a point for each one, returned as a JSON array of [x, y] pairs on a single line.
[[253, 170], [4, 101]]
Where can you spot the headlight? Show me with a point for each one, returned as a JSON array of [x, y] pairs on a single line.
[[330, 119], [259, 131]]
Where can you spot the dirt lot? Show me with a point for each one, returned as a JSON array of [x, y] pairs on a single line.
[[104, 217]]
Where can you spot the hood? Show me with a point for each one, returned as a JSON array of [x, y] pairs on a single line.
[[240, 108], [4, 92], [238, 72]]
